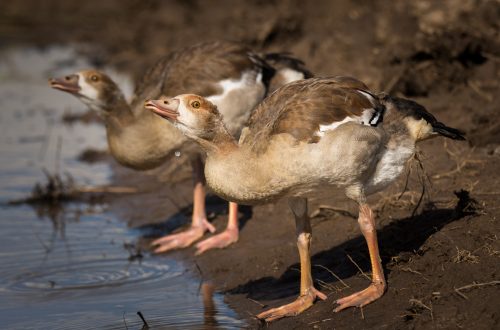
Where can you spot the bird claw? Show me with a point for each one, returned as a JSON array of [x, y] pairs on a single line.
[[182, 239], [361, 298], [219, 241], [302, 303]]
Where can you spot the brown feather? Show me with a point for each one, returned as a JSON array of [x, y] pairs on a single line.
[[299, 109], [196, 69]]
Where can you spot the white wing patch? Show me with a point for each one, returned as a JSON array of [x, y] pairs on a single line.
[[325, 128], [248, 78], [290, 75], [364, 119], [238, 98]]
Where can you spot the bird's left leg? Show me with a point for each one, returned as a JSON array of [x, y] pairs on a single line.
[[308, 293], [199, 222], [227, 237], [377, 288]]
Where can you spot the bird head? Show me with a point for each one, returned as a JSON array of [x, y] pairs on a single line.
[[192, 114], [92, 87]]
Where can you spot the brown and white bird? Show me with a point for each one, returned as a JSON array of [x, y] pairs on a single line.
[[315, 136], [228, 74]]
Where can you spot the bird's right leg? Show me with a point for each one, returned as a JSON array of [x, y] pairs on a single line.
[[199, 222], [378, 285], [308, 293]]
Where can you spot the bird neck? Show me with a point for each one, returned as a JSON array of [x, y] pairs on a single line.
[[117, 113], [396, 125], [217, 140]]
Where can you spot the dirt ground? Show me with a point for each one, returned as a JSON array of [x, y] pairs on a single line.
[[440, 252]]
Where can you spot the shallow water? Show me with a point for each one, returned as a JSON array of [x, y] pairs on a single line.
[[71, 269]]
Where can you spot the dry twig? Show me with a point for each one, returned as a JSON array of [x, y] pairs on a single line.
[[333, 274], [359, 268], [258, 303]]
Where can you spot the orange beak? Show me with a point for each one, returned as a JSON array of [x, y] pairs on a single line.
[[66, 84], [166, 108]]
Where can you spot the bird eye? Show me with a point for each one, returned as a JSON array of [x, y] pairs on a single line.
[[195, 104], [94, 78]]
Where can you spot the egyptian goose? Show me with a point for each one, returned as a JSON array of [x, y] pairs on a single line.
[[320, 135], [228, 74]]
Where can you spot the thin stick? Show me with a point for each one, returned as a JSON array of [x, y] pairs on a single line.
[[143, 319], [58, 154], [477, 285], [337, 210], [258, 303], [476, 88], [408, 173], [333, 274], [408, 269], [125, 321], [421, 304], [327, 286], [319, 321], [199, 269], [461, 294], [359, 268], [107, 189]]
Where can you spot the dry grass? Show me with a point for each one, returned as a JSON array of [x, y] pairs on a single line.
[[465, 256]]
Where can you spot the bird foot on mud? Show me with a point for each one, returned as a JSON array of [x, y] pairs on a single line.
[[219, 241], [302, 303], [361, 298]]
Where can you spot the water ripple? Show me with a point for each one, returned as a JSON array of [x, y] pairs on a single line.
[[92, 274]]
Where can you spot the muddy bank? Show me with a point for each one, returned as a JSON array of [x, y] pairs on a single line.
[[442, 261]]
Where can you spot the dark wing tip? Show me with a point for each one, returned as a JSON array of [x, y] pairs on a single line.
[[448, 132], [287, 59]]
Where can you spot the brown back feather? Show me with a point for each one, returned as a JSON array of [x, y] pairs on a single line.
[[195, 70], [299, 109]]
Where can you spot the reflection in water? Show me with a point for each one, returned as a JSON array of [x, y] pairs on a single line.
[[210, 310], [75, 266]]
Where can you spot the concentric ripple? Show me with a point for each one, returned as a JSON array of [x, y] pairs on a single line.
[[92, 274]]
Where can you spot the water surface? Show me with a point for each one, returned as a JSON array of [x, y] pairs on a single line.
[[74, 268]]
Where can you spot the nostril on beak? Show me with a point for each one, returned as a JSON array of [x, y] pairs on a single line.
[[165, 102], [67, 78]]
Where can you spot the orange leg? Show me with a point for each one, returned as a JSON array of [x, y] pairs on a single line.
[[308, 293], [199, 222], [377, 288]]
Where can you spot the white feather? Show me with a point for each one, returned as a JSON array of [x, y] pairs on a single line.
[[390, 166], [86, 89], [247, 79], [363, 119], [238, 98], [290, 75]]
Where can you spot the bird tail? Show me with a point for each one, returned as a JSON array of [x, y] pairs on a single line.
[[287, 68], [448, 132], [285, 60]]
